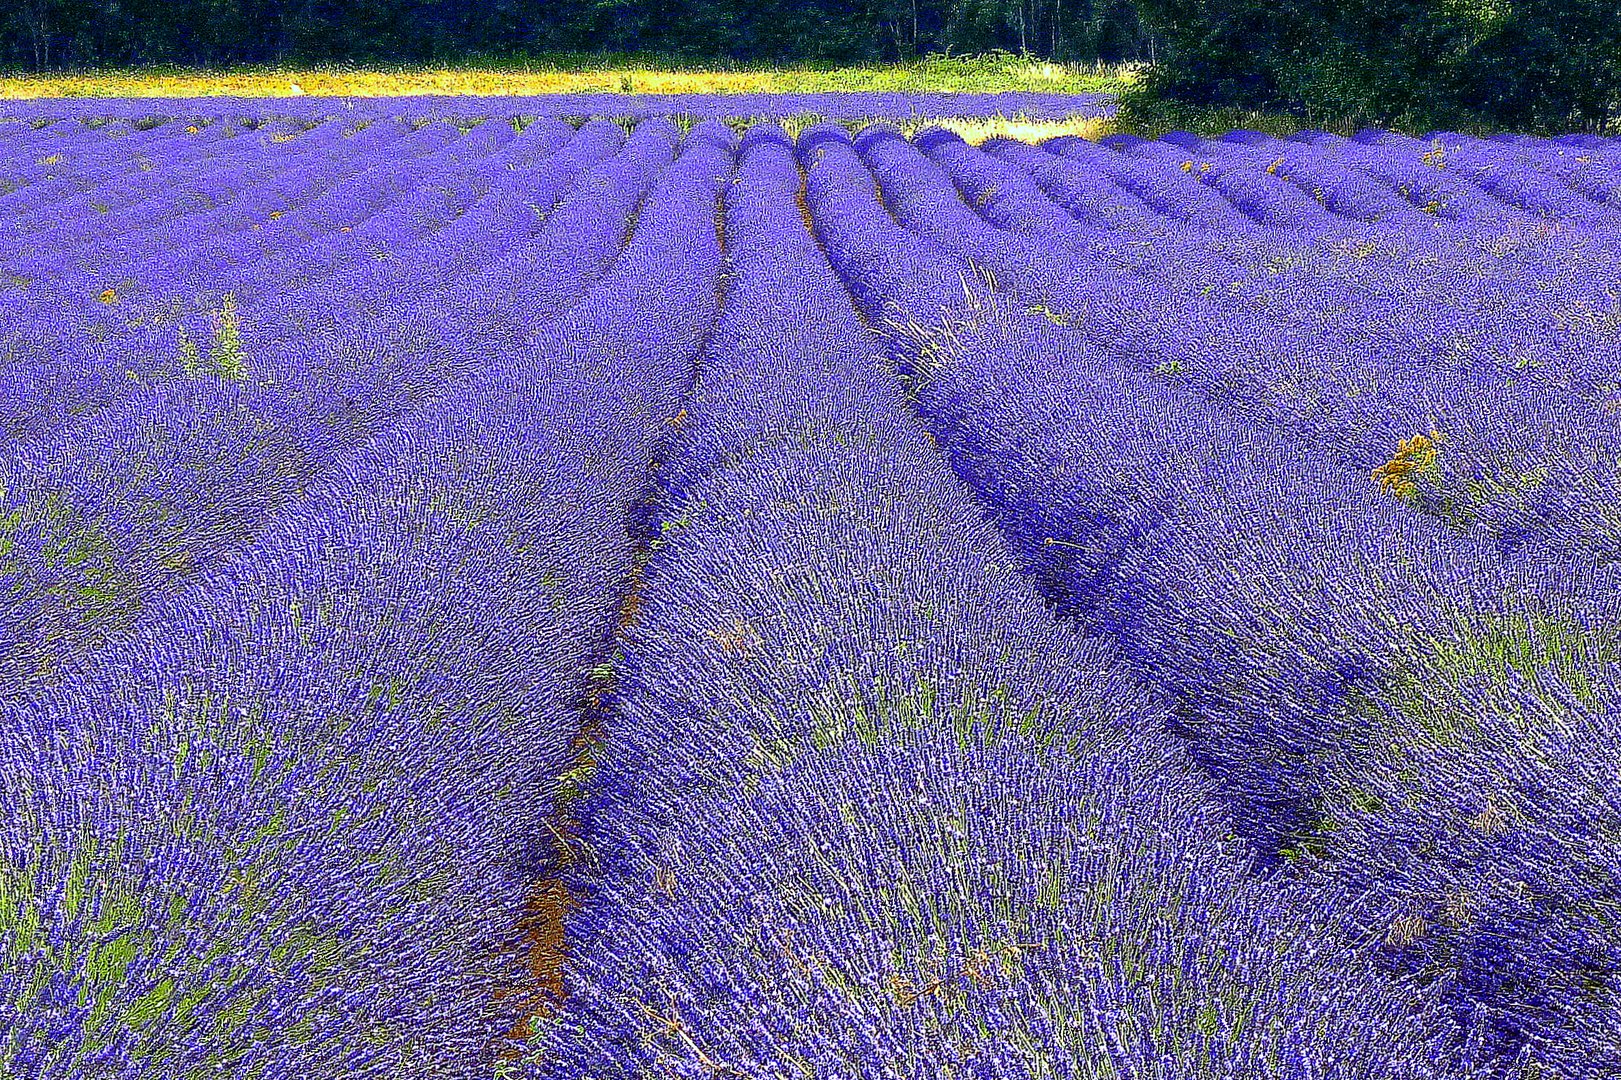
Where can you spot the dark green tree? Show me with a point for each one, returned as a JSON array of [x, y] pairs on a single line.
[[50, 34], [1533, 65]]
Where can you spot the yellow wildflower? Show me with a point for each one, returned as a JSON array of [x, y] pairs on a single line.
[[1413, 457], [109, 296]]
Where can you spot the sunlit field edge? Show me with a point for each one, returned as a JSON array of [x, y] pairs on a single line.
[[641, 74], [565, 75]]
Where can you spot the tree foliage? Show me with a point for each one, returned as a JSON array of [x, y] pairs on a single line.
[[53, 34], [1530, 65]]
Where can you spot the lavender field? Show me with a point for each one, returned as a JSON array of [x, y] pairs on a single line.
[[671, 596]]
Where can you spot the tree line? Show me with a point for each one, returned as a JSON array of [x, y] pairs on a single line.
[[1529, 65], [57, 34], [1526, 65]]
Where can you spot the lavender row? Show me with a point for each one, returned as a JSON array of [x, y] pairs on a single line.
[[332, 144], [1448, 835], [1208, 565], [1311, 635], [90, 171], [1527, 470], [67, 298], [1286, 190], [399, 227], [1517, 226], [1460, 273], [1474, 184], [389, 211], [284, 824], [65, 160], [101, 234], [122, 174], [1555, 256], [862, 809], [1445, 304], [1488, 326], [173, 181], [180, 472], [173, 236], [299, 171], [1390, 288]]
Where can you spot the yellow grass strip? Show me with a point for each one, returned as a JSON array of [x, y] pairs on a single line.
[[981, 75], [975, 130]]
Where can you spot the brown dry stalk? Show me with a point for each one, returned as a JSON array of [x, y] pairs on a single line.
[[906, 995], [1413, 456], [1406, 930], [789, 953], [674, 1026], [628, 607]]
